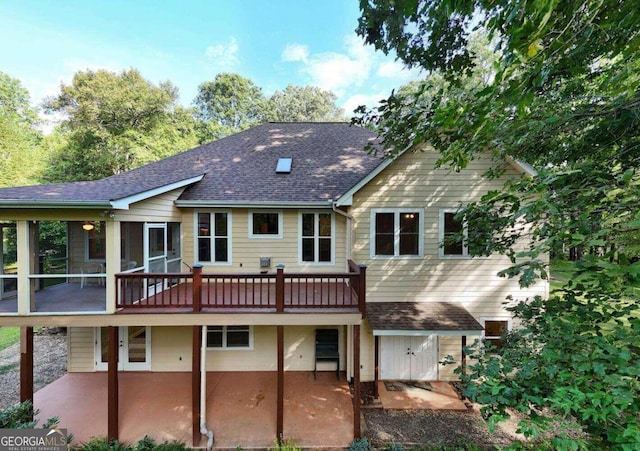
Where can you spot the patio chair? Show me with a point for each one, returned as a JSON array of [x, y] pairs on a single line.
[[91, 269]]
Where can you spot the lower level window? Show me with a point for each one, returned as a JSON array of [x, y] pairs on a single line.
[[229, 337], [494, 331]]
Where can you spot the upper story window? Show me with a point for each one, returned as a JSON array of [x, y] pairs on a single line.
[[452, 235], [396, 232], [213, 236], [265, 224], [229, 337], [316, 237], [494, 331]]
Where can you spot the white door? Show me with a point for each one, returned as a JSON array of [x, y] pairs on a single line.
[[409, 358], [134, 348]]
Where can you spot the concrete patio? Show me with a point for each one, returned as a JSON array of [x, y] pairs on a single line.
[[241, 407], [406, 395]]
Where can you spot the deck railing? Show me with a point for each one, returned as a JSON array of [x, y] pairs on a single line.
[[197, 291]]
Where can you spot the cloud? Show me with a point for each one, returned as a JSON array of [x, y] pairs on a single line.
[[333, 71], [370, 100], [223, 56], [397, 71], [295, 52]]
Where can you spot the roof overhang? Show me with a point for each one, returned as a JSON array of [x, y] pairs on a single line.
[[421, 318], [54, 204], [251, 204], [125, 202]]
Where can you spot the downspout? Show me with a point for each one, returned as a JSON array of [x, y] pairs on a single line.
[[349, 247], [203, 390]]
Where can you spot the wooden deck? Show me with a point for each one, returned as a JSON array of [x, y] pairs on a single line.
[[144, 292]]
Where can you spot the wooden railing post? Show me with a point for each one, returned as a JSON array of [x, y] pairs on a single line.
[[280, 288], [197, 287], [362, 290], [357, 433], [26, 365], [112, 384]]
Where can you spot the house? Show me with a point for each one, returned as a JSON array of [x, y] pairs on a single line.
[[253, 245]]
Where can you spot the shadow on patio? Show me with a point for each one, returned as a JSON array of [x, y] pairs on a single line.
[[241, 407]]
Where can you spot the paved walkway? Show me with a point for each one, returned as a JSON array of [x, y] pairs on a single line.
[[415, 395]]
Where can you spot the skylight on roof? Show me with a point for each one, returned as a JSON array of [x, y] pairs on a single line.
[[284, 166]]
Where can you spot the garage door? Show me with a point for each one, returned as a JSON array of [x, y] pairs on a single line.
[[409, 358]]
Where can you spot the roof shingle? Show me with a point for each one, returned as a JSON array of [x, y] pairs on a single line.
[[425, 316]]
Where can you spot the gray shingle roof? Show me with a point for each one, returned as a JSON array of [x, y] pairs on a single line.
[[328, 159], [426, 316]]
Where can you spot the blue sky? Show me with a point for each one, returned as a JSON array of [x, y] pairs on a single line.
[[272, 42]]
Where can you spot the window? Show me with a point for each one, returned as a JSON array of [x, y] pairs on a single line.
[[96, 242], [265, 225], [494, 330], [213, 237], [229, 337], [396, 232], [316, 237], [452, 235]]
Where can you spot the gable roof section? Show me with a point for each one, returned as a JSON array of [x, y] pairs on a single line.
[[327, 160]]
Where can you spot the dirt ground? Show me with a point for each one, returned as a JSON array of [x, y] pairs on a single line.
[[49, 361]]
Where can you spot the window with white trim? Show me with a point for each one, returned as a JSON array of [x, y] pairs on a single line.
[[229, 337], [214, 237], [396, 232], [494, 331], [452, 235], [265, 224], [316, 237]]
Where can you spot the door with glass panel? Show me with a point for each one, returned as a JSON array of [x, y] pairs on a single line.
[[155, 257], [134, 348]]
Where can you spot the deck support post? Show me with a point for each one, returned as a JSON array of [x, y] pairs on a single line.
[[195, 384], [197, 287], [362, 290], [280, 401], [112, 384], [356, 382], [464, 355], [376, 365], [26, 365], [280, 288]]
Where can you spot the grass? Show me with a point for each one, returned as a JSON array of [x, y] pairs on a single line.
[[9, 336]]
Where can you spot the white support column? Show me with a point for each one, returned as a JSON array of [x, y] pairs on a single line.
[[112, 257], [24, 288]]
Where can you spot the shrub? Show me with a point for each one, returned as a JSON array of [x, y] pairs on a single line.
[[360, 444]]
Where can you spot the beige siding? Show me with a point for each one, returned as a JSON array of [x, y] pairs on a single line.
[[246, 251], [171, 348], [157, 209], [80, 351], [412, 182], [367, 352], [449, 346]]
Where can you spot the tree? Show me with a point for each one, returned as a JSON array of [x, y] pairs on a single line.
[[565, 96], [19, 137], [305, 104], [115, 122], [228, 104]]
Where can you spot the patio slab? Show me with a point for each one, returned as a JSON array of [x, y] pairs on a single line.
[[241, 407], [407, 396]]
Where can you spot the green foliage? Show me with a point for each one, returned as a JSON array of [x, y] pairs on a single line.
[[360, 444], [563, 94], [115, 122], [394, 447], [19, 138], [19, 416], [304, 104], [144, 444], [286, 445], [231, 102], [9, 336]]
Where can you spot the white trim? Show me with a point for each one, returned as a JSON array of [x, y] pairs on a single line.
[[316, 238], [125, 202], [250, 204], [396, 231], [123, 350], [260, 236], [224, 338], [522, 166], [465, 230], [196, 255], [508, 319], [420, 333]]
